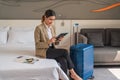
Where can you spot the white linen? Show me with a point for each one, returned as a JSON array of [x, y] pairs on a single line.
[[44, 69], [3, 35], [21, 35]]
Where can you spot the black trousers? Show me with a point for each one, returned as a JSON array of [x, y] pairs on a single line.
[[62, 57]]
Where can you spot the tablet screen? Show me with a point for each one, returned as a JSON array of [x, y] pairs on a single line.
[[61, 35]]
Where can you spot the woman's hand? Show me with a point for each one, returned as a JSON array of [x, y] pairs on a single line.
[[61, 38], [52, 40]]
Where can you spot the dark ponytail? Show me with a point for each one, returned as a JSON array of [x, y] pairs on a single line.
[[47, 14], [43, 18]]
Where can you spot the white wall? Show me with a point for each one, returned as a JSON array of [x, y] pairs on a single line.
[[67, 23], [19, 23], [97, 23], [64, 26]]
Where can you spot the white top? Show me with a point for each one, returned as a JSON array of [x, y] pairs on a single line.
[[49, 32]]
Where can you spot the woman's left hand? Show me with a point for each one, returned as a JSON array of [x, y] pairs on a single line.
[[60, 39]]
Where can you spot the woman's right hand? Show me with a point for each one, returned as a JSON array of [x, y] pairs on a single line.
[[52, 40]]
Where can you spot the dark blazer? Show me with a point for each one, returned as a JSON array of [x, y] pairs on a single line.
[[41, 39]]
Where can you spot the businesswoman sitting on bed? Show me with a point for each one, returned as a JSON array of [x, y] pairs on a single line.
[[45, 41]]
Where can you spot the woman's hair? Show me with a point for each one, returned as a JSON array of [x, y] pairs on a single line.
[[47, 14]]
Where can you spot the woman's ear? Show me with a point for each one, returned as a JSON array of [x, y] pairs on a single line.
[[45, 17]]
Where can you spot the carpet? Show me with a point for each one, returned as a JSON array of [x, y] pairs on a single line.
[[106, 73]]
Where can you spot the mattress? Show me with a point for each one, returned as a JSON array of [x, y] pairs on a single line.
[[43, 69]]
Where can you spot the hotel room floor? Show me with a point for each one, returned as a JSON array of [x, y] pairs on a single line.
[[106, 73]]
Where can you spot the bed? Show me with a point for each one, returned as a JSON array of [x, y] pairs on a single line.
[[12, 47]]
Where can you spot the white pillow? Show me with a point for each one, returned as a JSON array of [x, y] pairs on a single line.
[[22, 28], [21, 36], [3, 37], [4, 28]]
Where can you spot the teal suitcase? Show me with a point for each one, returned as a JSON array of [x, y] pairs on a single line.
[[82, 56]]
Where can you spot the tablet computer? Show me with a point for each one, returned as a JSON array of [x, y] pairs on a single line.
[[61, 35]]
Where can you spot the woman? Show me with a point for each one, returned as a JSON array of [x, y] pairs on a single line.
[[45, 41]]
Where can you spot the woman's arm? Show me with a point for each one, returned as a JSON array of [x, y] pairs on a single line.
[[40, 40]]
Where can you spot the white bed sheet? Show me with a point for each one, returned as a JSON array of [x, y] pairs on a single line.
[[44, 69]]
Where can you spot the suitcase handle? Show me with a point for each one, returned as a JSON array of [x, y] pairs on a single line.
[[75, 30]]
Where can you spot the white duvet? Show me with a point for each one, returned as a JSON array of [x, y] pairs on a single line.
[[10, 69]]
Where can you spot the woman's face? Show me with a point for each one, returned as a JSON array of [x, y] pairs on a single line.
[[49, 20]]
